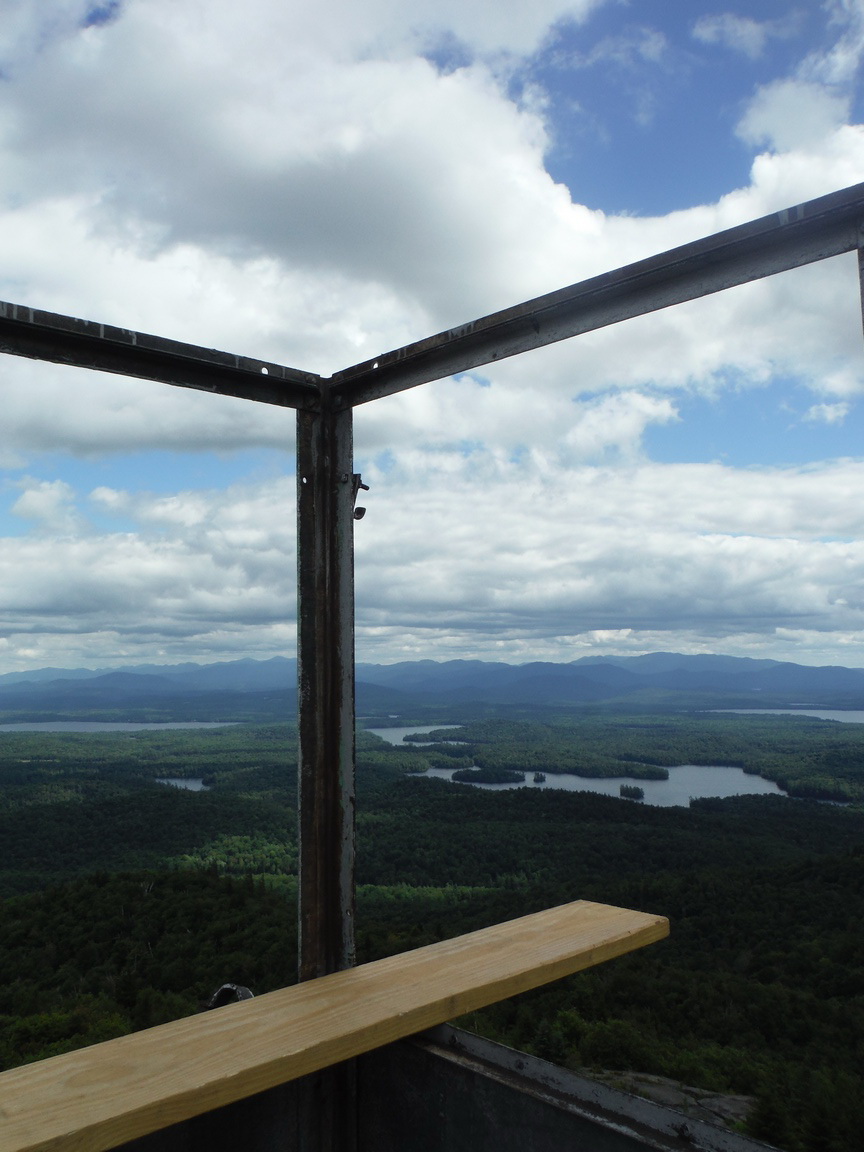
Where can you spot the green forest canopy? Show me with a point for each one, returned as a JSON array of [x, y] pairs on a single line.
[[128, 902]]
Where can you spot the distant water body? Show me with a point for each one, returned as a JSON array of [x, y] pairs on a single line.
[[845, 716], [686, 781], [186, 784], [106, 726]]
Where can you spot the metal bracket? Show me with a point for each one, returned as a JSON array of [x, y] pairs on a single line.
[[356, 485]]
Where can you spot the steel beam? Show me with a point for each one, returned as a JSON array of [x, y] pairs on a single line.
[[801, 235], [325, 642], [85, 344], [327, 1101]]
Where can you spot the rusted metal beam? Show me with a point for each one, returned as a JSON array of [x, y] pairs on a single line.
[[325, 642], [66, 340], [801, 235]]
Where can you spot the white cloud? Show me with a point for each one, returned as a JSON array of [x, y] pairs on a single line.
[[804, 109], [301, 184], [491, 561], [563, 560], [827, 413], [791, 114], [207, 570], [740, 33], [48, 503]]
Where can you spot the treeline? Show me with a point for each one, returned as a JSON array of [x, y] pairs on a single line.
[[136, 901]]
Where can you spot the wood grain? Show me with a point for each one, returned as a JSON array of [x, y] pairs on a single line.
[[96, 1098]]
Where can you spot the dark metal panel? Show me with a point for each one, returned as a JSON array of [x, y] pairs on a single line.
[[264, 1123], [325, 641], [801, 235], [85, 344], [448, 1091]]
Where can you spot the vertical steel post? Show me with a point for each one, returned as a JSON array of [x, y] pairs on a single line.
[[327, 1101], [325, 631]]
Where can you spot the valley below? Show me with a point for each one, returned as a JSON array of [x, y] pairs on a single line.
[[126, 901]]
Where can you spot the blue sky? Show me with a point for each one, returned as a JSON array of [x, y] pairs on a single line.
[[316, 186], [646, 97]]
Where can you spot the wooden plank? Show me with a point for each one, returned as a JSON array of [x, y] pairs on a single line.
[[99, 1097]]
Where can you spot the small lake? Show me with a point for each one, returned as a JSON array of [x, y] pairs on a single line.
[[106, 726], [396, 735], [686, 781], [187, 785], [845, 716]]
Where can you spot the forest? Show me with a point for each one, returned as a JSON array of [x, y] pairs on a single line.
[[126, 902]]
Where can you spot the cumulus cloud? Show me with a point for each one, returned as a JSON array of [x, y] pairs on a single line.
[[804, 109], [561, 558], [208, 570], [48, 503], [793, 113], [316, 187], [491, 560]]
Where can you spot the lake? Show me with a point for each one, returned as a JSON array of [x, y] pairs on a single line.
[[845, 716], [686, 781], [106, 726], [186, 784], [397, 735]]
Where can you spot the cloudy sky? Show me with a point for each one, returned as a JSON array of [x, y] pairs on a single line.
[[316, 184]]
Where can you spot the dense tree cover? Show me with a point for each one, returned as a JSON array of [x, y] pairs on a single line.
[[632, 792], [104, 955], [759, 990]]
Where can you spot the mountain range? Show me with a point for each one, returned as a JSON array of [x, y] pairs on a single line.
[[267, 687]]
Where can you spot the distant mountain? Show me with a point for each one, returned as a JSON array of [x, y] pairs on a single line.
[[725, 680], [234, 675], [268, 687]]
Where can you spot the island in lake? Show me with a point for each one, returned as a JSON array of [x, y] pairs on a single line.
[[632, 792], [488, 776]]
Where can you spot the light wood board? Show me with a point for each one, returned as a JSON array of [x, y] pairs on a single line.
[[96, 1098]]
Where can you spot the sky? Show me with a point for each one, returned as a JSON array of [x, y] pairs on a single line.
[[318, 184]]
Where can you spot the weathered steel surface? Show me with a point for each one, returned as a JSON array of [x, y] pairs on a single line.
[[801, 235], [325, 642], [815, 230], [86, 344], [326, 1101], [448, 1091]]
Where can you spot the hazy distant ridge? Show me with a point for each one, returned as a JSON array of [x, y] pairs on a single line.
[[655, 675]]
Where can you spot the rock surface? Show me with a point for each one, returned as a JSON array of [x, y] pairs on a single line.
[[712, 1107]]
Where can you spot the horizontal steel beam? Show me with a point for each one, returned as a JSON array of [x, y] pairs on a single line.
[[809, 232], [85, 344], [815, 230]]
